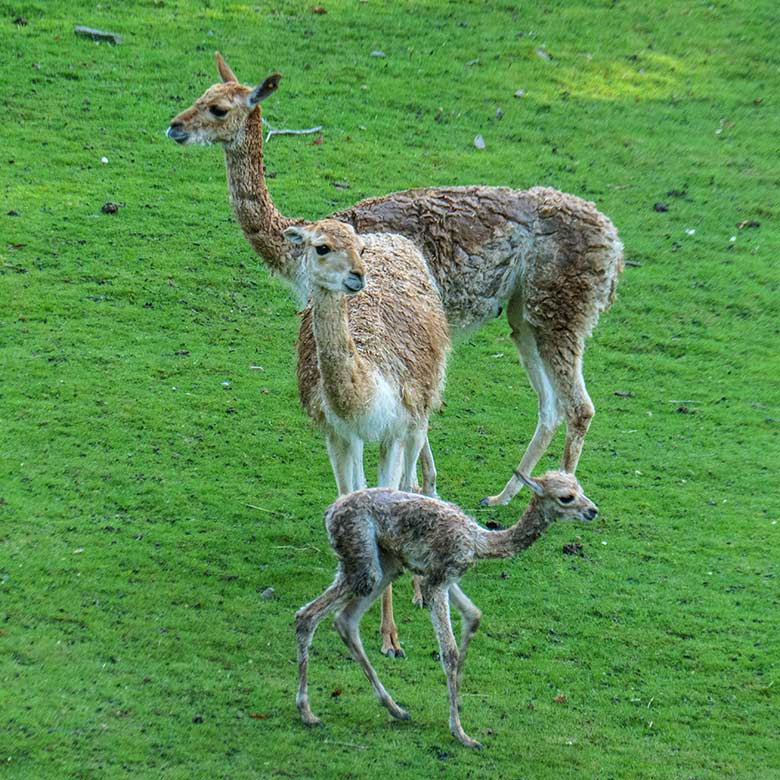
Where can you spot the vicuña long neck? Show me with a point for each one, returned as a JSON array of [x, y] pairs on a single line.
[[347, 382], [504, 544], [260, 220]]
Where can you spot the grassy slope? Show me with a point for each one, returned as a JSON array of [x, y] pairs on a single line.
[[134, 642]]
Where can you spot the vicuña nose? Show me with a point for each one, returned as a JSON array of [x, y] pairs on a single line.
[[355, 281], [591, 513]]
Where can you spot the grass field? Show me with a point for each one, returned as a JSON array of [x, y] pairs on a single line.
[[157, 474]]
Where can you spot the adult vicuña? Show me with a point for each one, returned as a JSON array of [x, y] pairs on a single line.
[[552, 257], [370, 366], [377, 533]]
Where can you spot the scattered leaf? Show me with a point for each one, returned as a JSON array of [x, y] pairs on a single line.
[[341, 185], [21, 21], [378, 53], [258, 716], [748, 223], [623, 394], [335, 693], [17, 246], [317, 141], [543, 53], [318, 9], [109, 208], [13, 213], [560, 698], [268, 594], [661, 207], [520, 93]]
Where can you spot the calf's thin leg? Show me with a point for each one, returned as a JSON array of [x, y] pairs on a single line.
[[348, 625], [440, 616], [307, 619]]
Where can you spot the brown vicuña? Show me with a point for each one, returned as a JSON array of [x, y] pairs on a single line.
[[553, 258]]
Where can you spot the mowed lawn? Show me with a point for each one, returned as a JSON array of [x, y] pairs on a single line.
[[157, 476]]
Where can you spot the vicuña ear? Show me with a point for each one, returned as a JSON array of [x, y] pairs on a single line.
[[225, 71], [262, 91], [530, 482], [296, 234]]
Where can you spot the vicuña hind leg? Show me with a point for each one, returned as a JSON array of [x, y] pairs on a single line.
[[542, 378], [579, 412], [307, 619], [348, 624]]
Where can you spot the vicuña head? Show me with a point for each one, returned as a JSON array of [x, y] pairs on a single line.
[[560, 496], [219, 114], [333, 255]]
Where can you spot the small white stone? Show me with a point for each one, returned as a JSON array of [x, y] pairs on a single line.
[[104, 160], [690, 231], [479, 142]]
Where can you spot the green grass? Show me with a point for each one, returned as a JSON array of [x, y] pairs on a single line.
[[145, 504]]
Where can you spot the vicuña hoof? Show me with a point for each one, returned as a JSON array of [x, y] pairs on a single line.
[[398, 713], [468, 742], [394, 652]]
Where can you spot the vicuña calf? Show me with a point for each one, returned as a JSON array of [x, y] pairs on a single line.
[[377, 533]]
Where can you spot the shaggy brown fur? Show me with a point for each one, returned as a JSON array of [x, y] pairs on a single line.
[[378, 533], [552, 257], [396, 325]]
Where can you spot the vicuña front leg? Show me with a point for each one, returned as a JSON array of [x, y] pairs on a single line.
[[471, 617], [417, 596], [391, 647], [440, 616]]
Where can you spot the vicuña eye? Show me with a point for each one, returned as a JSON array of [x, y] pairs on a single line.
[[566, 499], [217, 111], [322, 249]]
